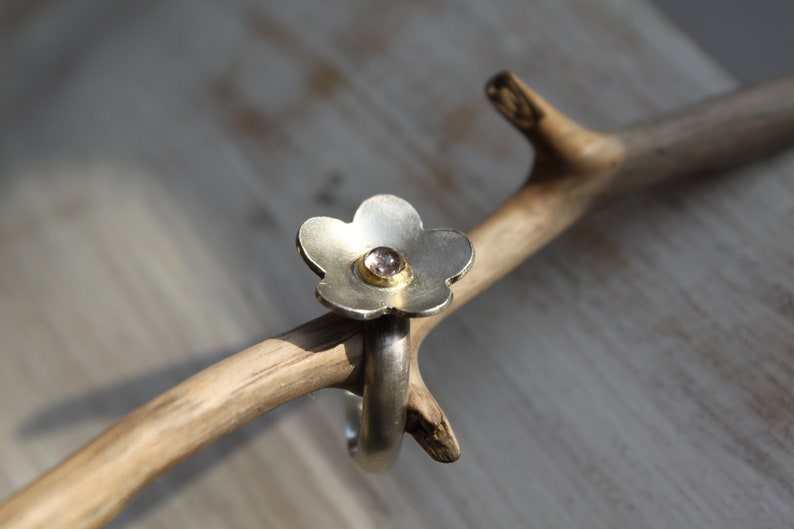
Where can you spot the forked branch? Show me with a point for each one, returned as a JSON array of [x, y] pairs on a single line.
[[576, 170]]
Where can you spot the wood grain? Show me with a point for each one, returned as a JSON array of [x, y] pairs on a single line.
[[133, 258]]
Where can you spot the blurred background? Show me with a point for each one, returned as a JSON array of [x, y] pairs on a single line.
[[752, 40], [157, 158]]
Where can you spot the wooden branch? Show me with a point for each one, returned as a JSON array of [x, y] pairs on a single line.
[[576, 170]]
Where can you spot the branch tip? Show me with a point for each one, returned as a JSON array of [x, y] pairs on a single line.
[[428, 424], [555, 137], [514, 101]]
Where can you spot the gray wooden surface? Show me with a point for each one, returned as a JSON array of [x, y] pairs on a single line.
[[156, 159]]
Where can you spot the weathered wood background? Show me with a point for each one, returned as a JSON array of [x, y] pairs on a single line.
[[157, 158]]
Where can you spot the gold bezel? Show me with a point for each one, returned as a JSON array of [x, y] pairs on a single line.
[[396, 280]]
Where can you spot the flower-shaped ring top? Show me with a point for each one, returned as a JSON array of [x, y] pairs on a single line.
[[384, 262]]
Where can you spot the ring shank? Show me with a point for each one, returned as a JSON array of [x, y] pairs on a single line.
[[376, 422]]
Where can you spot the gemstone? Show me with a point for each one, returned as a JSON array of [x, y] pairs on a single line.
[[384, 262]]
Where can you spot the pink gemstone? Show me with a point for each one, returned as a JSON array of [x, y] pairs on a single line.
[[384, 262]]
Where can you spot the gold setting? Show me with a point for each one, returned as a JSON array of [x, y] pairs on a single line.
[[399, 279]]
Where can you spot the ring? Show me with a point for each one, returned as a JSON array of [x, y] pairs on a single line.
[[376, 421], [382, 269]]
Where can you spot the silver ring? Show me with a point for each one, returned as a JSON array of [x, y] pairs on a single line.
[[383, 268], [376, 421]]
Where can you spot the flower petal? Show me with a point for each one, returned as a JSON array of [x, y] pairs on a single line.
[[348, 295], [441, 255], [423, 299], [387, 220], [323, 242]]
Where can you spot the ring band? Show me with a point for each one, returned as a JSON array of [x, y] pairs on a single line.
[[376, 421]]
